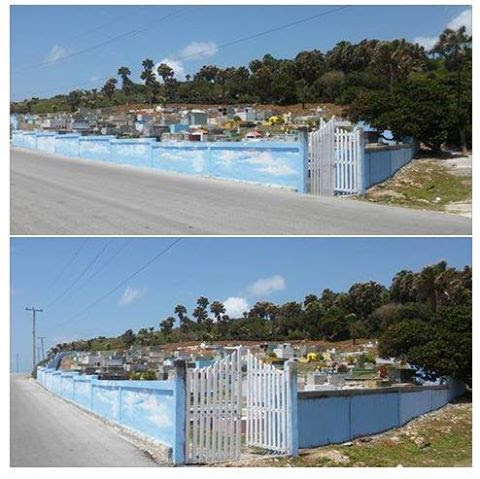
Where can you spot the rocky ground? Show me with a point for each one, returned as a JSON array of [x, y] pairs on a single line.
[[441, 438], [440, 184]]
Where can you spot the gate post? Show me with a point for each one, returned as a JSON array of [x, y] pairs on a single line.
[[303, 141], [360, 145], [291, 372], [178, 454]]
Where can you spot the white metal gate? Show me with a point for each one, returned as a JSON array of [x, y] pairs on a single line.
[[268, 407], [214, 398], [213, 414], [335, 160]]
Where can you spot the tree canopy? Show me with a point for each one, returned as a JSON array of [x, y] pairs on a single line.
[[423, 317]]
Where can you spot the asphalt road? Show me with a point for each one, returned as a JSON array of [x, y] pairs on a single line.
[[47, 431], [55, 195]]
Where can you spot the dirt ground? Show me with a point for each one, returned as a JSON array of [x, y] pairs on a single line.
[[440, 184], [442, 438]]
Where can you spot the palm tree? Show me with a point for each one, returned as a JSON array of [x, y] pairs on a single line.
[[109, 88], [456, 48], [148, 76], [124, 73]]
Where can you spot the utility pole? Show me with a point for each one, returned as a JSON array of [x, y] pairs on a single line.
[[34, 311], [41, 338]]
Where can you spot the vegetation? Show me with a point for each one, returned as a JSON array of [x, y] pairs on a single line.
[[424, 184], [393, 85], [423, 317]]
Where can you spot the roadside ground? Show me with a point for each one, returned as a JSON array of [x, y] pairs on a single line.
[[438, 184], [442, 438]]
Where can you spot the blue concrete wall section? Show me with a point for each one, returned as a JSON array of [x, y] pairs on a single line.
[[83, 391], [17, 138], [414, 404], [150, 409], [56, 382], [46, 142], [382, 163], [338, 416], [68, 144], [323, 421], [105, 399], [273, 164], [67, 385], [182, 158], [95, 147], [373, 413], [439, 398], [30, 140], [136, 152]]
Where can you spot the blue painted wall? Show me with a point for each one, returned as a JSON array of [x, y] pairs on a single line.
[[95, 148], [68, 144], [279, 164], [151, 408], [46, 142], [339, 416], [136, 152], [381, 163]]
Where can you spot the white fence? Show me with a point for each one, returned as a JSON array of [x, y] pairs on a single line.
[[335, 160], [215, 398], [213, 412], [268, 406]]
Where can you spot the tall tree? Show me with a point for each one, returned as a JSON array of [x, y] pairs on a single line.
[[456, 48], [151, 83], [109, 88], [127, 84]]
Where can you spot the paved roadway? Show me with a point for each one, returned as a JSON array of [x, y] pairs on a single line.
[[47, 431], [56, 195]]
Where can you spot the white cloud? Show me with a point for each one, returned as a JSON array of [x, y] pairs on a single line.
[[463, 19], [426, 42], [235, 306], [266, 286], [130, 295], [198, 50], [175, 65], [56, 53]]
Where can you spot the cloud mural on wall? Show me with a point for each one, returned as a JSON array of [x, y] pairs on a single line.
[[194, 159], [156, 409], [268, 164]]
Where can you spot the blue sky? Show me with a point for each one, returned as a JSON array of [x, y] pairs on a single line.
[[44, 274], [48, 42]]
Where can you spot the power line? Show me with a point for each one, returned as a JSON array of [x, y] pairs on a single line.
[[271, 30], [113, 39], [103, 266], [68, 263], [122, 283], [80, 276], [251, 37]]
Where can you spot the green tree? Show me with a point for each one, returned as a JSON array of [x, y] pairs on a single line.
[[151, 84], [419, 107], [456, 48], [109, 88], [127, 84]]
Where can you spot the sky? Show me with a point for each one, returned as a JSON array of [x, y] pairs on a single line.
[[55, 49], [64, 276]]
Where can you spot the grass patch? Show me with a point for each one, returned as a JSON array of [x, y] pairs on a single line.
[[423, 184]]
